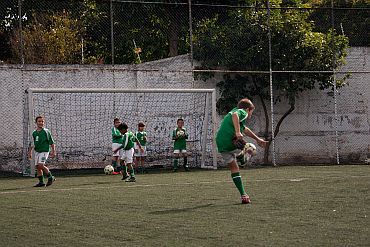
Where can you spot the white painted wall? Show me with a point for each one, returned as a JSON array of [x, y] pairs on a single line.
[[307, 135]]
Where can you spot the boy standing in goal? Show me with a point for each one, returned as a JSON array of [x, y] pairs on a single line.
[[179, 135], [42, 141], [127, 156], [231, 128], [116, 143], [140, 153]]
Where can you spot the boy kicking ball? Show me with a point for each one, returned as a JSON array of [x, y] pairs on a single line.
[[127, 156], [42, 140], [229, 134]]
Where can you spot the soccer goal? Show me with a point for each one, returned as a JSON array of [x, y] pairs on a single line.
[[80, 121]]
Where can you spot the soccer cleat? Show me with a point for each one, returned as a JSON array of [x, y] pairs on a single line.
[[241, 160], [245, 199], [125, 176], [50, 181], [116, 173], [186, 168], [131, 179], [39, 185]]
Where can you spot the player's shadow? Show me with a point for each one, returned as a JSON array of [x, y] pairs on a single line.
[[179, 210]]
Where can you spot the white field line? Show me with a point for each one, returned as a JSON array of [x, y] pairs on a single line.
[[298, 179]]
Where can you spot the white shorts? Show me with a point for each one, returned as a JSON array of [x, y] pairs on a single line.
[[128, 156], [230, 156], [138, 152], [114, 147], [178, 151], [40, 158]]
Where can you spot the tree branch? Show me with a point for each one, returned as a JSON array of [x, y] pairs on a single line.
[[292, 107]]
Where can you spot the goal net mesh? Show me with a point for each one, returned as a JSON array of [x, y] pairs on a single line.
[[81, 125]]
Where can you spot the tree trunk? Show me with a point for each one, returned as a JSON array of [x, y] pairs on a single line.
[[277, 128], [267, 125], [173, 35], [266, 132]]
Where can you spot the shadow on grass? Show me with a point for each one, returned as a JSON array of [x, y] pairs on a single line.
[[15, 189], [179, 210]]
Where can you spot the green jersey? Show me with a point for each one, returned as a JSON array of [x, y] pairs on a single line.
[[128, 140], [116, 136], [42, 140], [179, 135], [141, 137], [226, 132]]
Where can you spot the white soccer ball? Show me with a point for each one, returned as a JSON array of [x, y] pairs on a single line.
[[108, 170], [250, 148]]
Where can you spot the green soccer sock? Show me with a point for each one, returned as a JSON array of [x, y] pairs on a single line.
[[238, 182], [185, 161], [124, 169], [41, 179], [175, 163], [50, 176], [114, 164], [132, 171]]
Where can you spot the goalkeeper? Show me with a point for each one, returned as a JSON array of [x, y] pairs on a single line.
[[229, 140], [180, 135]]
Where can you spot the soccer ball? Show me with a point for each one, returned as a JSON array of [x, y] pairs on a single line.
[[108, 170], [250, 149]]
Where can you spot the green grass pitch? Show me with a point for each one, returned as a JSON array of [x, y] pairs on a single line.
[[291, 206]]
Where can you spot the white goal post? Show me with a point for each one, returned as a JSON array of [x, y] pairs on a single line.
[[80, 120]]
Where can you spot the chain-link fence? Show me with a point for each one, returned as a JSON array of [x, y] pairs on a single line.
[[304, 64]]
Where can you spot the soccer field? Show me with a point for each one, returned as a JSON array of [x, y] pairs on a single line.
[[291, 206]]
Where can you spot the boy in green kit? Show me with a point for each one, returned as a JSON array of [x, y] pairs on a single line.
[[127, 156], [179, 135], [42, 140], [232, 126], [116, 143]]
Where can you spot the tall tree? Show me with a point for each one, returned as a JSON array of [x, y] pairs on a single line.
[[241, 43], [50, 39]]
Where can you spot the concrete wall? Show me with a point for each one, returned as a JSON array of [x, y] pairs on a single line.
[[307, 135]]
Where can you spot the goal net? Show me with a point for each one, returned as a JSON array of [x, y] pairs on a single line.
[[81, 120]]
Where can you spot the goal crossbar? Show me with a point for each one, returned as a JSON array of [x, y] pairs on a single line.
[[119, 90]]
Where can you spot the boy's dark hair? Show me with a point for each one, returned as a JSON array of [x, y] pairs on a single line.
[[180, 119], [115, 120], [122, 126], [245, 104], [141, 124], [37, 118]]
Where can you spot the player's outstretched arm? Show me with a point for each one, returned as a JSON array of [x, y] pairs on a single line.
[[251, 134]]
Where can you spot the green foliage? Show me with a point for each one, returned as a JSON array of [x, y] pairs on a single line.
[[354, 23], [241, 43], [50, 39]]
